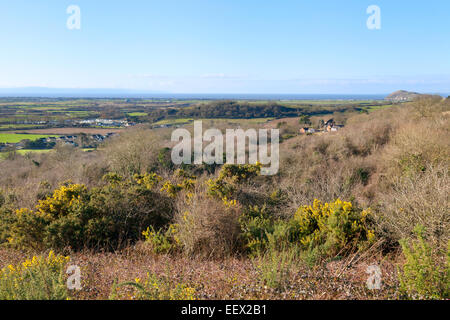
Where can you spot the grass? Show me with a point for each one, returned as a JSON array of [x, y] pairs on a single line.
[[17, 137], [173, 121], [241, 121], [377, 107], [25, 151], [225, 120], [137, 114]]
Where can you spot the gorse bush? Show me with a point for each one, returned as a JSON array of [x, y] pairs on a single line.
[[162, 241], [426, 271], [105, 217], [39, 278], [256, 223], [322, 229], [230, 176], [332, 227]]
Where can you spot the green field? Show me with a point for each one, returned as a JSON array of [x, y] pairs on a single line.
[[137, 114], [377, 107], [173, 121], [25, 151], [227, 120], [16, 137], [241, 121]]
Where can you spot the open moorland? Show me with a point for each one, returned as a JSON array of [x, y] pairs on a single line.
[[358, 210]]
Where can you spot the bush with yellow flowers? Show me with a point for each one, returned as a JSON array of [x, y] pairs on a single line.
[[162, 241], [332, 227], [256, 224], [39, 278], [57, 220], [104, 217], [426, 271], [184, 182], [154, 287], [230, 176]]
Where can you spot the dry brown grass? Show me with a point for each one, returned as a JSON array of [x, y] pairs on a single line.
[[227, 278]]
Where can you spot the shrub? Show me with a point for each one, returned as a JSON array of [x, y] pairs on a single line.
[[105, 217], [153, 288], [275, 267], [208, 226], [40, 278], [256, 223], [55, 222], [133, 152], [332, 227], [420, 198], [128, 208], [162, 241], [7, 218], [426, 272], [230, 176], [184, 182]]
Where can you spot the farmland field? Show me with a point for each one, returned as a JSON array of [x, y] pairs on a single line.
[[137, 114], [67, 131], [173, 121], [15, 137]]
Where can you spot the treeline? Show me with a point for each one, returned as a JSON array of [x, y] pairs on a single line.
[[228, 109]]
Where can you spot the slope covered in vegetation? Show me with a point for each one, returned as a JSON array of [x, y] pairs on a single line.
[[373, 193]]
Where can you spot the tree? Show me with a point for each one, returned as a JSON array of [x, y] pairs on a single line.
[[304, 119]]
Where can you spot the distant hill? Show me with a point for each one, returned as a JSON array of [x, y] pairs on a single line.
[[402, 95]]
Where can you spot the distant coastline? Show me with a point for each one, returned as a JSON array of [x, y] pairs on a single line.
[[187, 96], [134, 94]]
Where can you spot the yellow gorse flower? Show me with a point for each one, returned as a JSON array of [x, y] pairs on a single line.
[[30, 274]]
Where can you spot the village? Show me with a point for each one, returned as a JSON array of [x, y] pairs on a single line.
[[119, 123], [81, 140], [329, 126]]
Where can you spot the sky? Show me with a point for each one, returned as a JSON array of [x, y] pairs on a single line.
[[227, 46]]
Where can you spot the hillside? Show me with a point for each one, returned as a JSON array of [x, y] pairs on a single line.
[[371, 196], [402, 95]]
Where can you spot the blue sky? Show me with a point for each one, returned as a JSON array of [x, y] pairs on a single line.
[[227, 46]]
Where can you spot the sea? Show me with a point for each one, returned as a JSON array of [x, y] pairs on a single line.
[[117, 94]]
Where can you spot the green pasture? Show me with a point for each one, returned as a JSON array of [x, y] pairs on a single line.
[[174, 121], [137, 114], [17, 137]]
